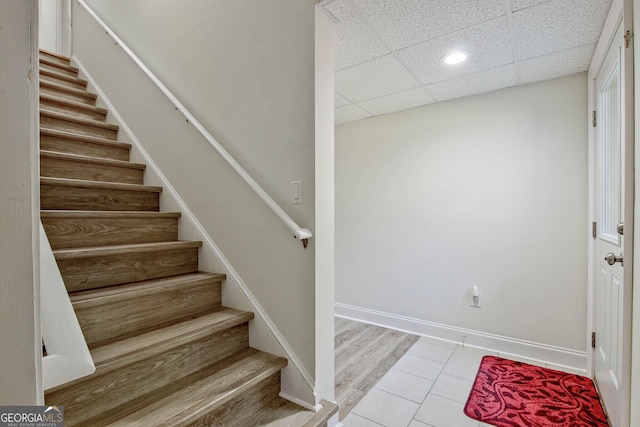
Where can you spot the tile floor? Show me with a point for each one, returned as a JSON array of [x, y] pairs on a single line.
[[427, 387]]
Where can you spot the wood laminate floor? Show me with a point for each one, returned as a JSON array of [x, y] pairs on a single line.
[[363, 354]]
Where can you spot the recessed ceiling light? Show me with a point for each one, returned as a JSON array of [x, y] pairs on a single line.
[[454, 58]]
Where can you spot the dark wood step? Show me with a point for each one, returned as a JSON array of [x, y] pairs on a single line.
[[74, 229], [55, 57], [102, 266], [74, 194], [227, 397], [63, 165], [130, 371], [63, 79], [61, 91], [66, 142], [78, 125], [122, 311]]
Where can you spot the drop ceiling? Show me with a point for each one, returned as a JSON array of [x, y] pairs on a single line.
[[389, 52]]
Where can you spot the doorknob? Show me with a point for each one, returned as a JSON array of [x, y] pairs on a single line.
[[612, 259], [620, 228]]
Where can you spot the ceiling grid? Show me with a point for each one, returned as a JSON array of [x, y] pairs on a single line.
[[389, 52]]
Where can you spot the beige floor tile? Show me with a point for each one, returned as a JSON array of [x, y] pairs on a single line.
[[353, 420], [419, 366], [386, 409], [471, 354], [405, 385], [431, 351], [452, 388], [437, 411], [462, 368]]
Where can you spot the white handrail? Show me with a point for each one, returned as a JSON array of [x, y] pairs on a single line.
[[68, 357], [299, 233]]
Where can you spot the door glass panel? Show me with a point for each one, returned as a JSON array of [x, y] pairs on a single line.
[[610, 167]]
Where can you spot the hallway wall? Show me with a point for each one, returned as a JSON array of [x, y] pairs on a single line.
[[245, 70], [489, 190]]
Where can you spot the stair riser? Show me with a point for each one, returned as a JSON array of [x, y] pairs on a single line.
[[52, 58], [66, 95], [62, 145], [73, 110], [59, 168], [77, 128], [102, 392], [123, 318], [238, 411], [59, 197], [63, 82], [79, 232], [58, 70], [100, 271]]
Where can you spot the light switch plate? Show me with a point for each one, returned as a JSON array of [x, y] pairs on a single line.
[[296, 192]]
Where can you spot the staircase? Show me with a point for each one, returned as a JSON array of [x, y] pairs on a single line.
[[166, 352]]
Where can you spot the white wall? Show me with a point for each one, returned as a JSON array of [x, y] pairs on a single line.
[[325, 203], [489, 190], [20, 340], [246, 71], [55, 26], [635, 350], [49, 24]]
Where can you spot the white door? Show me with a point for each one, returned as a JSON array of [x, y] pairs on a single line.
[[612, 290]]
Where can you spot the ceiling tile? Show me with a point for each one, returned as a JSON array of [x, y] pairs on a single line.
[[523, 4], [398, 101], [558, 25], [557, 64], [403, 23], [487, 44], [340, 101], [356, 42], [350, 113], [381, 76], [471, 84]]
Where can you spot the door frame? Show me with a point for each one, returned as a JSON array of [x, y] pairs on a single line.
[[619, 10]]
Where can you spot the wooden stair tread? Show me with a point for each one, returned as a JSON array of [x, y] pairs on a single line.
[[52, 98], [187, 404], [83, 138], [107, 214], [92, 160], [76, 119], [118, 353], [96, 251], [51, 63], [82, 93], [65, 77], [98, 184], [165, 351], [122, 292], [57, 55]]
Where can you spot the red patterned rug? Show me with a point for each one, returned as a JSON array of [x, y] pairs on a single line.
[[513, 394]]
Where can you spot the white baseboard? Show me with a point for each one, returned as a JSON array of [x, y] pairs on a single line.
[[543, 353], [299, 402]]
